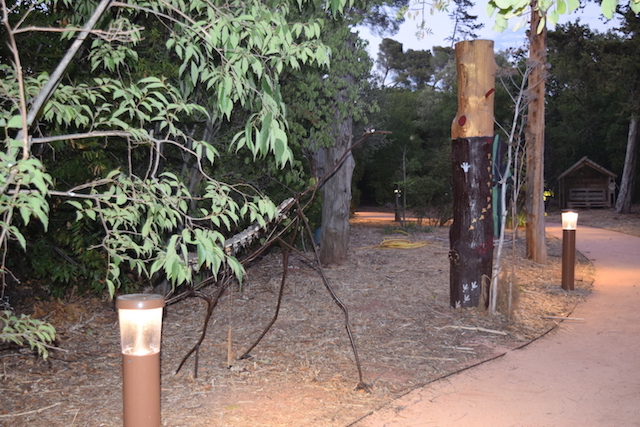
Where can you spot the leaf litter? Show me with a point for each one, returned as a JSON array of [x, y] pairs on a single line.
[[303, 371]]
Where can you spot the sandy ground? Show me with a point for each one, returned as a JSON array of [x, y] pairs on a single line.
[[583, 374]]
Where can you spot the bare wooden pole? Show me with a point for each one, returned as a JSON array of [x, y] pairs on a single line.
[[471, 235]]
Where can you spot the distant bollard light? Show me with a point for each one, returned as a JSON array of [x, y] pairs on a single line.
[[569, 220], [140, 317], [569, 225]]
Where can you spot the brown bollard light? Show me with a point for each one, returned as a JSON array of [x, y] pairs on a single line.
[[569, 225], [140, 317]]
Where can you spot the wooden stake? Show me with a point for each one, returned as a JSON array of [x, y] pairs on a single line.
[[230, 347]]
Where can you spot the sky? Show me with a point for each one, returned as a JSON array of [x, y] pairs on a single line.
[[442, 26]]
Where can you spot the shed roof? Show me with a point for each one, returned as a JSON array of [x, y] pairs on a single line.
[[585, 161]]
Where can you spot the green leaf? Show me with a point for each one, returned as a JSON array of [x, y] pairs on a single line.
[[75, 204], [195, 72], [91, 214], [265, 131], [541, 24], [573, 5], [236, 268], [15, 122], [18, 235], [25, 213], [608, 8], [504, 4]]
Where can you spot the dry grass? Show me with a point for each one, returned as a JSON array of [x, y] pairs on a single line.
[[303, 372]]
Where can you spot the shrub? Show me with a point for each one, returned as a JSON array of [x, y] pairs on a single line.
[[25, 331]]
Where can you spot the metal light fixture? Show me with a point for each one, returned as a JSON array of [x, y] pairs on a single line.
[[569, 225], [140, 317]]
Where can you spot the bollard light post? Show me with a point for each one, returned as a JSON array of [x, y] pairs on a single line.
[[569, 225], [140, 317]]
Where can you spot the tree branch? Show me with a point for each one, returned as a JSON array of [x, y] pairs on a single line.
[[56, 76], [95, 134]]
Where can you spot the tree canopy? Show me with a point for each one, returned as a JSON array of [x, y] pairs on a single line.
[[169, 87]]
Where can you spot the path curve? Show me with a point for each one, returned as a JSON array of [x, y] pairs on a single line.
[[583, 374]]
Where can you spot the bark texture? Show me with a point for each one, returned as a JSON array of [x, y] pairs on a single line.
[[623, 202], [534, 137], [471, 235], [336, 198], [476, 69]]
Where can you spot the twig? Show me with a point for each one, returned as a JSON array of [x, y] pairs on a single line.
[[576, 319], [476, 329], [81, 324], [35, 411], [461, 348]]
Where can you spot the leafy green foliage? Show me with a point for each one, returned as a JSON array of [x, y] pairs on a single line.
[[549, 10], [589, 104], [25, 331], [319, 100], [415, 157], [609, 7], [411, 69], [155, 195]]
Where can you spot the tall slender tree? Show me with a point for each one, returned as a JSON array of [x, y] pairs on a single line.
[[534, 138], [465, 25], [629, 68]]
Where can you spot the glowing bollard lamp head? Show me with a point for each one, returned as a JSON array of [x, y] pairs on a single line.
[[140, 317], [569, 225], [569, 220]]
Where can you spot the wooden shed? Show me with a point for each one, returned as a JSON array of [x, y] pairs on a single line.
[[586, 184]]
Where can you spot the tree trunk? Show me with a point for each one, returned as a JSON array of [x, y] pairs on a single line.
[[623, 202], [336, 192], [471, 235], [534, 136], [336, 198]]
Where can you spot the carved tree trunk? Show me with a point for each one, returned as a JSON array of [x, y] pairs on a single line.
[[534, 137], [623, 202], [471, 235]]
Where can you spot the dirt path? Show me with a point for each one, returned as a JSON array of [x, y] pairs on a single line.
[[583, 374]]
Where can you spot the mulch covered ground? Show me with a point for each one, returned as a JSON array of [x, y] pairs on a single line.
[[303, 371]]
